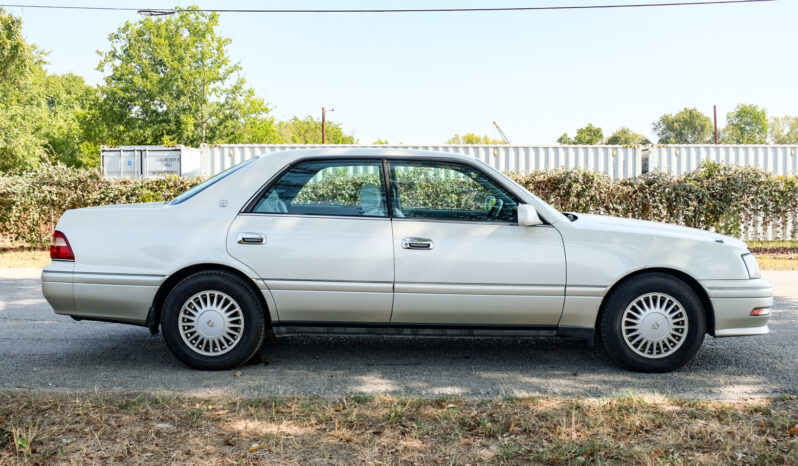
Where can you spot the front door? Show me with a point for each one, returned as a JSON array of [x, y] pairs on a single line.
[[320, 238], [461, 257]]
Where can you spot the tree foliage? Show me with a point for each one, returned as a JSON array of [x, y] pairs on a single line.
[[625, 137], [21, 96], [171, 80], [584, 136], [747, 124], [67, 98], [472, 138], [784, 130], [308, 131], [40, 113], [686, 127]]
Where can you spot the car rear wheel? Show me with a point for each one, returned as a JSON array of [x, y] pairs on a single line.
[[652, 323], [213, 320]]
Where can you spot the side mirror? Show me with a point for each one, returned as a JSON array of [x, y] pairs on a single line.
[[528, 216]]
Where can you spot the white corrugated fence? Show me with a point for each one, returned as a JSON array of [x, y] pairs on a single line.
[[680, 159], [615, 161]]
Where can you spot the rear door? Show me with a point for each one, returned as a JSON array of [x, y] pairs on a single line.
[[462, 258], [320, 238]]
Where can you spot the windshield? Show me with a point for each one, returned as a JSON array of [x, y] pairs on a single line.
[[209, 182], [507, 178]]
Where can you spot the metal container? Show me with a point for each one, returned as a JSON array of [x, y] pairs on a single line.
[[149, 161], [615, 161]]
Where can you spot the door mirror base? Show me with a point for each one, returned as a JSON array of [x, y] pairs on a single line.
[[528, 216]]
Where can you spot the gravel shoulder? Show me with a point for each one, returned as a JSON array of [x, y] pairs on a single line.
[[44, 351]]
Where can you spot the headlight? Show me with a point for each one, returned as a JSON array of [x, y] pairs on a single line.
[[752, 266]]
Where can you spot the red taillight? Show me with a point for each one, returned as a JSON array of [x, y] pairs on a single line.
[[761, 311], [60, 249]]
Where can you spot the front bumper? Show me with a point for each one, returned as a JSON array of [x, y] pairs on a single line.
[[733, 301]]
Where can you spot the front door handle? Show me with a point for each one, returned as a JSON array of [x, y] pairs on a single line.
[[251, 238], [417, 243]]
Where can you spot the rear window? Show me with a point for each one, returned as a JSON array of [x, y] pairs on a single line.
[[209, 182]]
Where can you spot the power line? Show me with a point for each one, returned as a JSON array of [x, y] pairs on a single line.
[[171, 11]]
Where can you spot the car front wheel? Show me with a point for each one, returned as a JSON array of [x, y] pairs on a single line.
[[213, 320], [652, 323]]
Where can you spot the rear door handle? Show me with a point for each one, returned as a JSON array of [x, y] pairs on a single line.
[[251, 238], [417, 243]]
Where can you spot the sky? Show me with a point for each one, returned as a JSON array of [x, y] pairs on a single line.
[[420, 78]]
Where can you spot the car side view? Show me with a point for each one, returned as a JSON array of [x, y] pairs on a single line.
[[396, 242]]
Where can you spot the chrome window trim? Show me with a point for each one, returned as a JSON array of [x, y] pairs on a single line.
[[470, 162], [290, 215]]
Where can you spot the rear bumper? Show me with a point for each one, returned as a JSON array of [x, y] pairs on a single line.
[[58, 289], [122, 298], [733, 301]]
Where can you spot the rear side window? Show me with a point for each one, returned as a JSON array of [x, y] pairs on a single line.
[[328, 187]]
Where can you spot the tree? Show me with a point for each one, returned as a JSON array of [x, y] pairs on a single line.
[[784, 130], [22, 115], [380, 142], [686, 127], [171, 79], [308, 131], [472, 138], [565, 140], [586, 135], [747, 124], [40, 113], [625, 137], [66, 98]]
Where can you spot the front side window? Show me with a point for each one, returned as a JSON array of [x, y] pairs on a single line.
[[448, 191], [328, 187]]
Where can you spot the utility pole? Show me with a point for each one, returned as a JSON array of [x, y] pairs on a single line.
[[324, 124], [715, 112]]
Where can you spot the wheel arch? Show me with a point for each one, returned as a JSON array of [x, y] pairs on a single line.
[[709, 311], [156, 309]]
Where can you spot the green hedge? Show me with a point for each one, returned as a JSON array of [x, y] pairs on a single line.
[[720, 197], [31, 204], [724, 198]]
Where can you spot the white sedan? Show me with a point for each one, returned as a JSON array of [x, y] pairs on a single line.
[[396, 242]]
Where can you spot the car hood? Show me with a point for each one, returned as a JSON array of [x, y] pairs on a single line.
[[643, 227]]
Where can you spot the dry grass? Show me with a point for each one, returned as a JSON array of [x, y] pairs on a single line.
[[24, 259], [781, 262], [775, 255], [16, 256], [98, 428]]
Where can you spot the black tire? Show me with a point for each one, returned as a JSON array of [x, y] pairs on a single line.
[[250, 314], [670, 358]]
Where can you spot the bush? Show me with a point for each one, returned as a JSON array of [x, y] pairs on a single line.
[[728, 199], [32, 203], [723, 198]]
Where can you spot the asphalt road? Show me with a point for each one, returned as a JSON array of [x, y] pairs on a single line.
[[42, 350]]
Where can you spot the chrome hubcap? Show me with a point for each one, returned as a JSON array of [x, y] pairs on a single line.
[[654, 325], [211, 323]]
